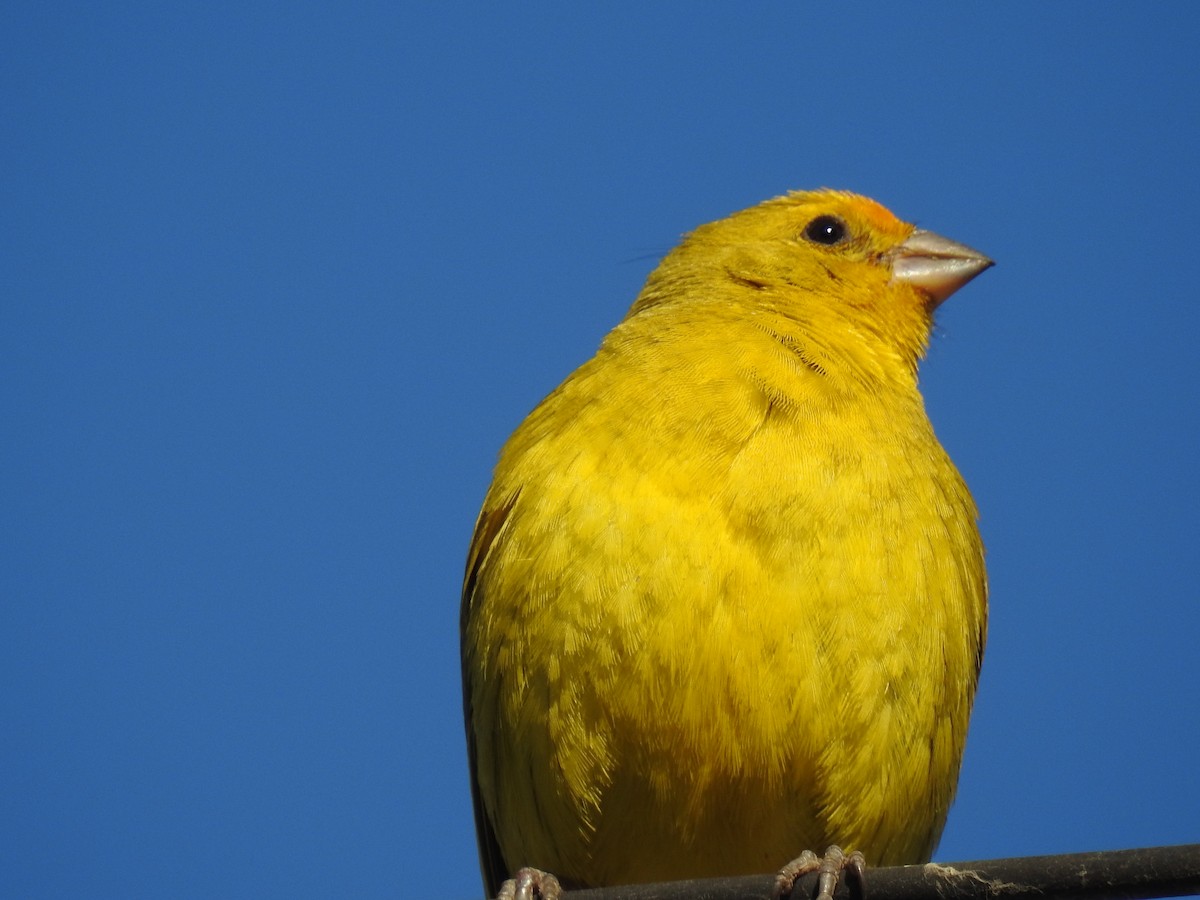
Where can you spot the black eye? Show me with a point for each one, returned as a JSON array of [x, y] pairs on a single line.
[[826, 230]]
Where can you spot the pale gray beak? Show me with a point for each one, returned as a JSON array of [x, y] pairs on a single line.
[[936, 265]]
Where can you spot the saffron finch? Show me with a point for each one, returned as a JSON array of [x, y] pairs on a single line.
[[726, 597]]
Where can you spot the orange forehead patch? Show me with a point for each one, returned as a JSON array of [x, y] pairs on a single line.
[[876, 214]]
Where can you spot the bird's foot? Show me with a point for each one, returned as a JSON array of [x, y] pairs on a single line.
[[531, 884], [829, 869]]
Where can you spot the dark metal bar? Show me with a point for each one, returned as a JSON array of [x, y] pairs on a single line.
[[1110, 875]]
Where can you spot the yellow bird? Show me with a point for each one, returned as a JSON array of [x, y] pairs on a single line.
[[726, 597]]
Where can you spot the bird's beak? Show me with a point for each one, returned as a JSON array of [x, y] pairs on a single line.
[[936, 265]]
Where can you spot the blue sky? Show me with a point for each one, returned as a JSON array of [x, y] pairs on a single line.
[[279, 279]]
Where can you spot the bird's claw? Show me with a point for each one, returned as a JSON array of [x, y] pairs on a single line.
[[531, 884], [828, 868]]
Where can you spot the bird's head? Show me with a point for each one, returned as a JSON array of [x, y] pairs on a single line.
[[834, 271]]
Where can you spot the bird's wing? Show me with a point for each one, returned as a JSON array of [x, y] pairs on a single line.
[[490, 524]]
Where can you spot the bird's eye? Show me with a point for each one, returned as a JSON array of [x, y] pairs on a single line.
[[826, 230]]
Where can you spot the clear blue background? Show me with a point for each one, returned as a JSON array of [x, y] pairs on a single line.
[[278, 280]]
